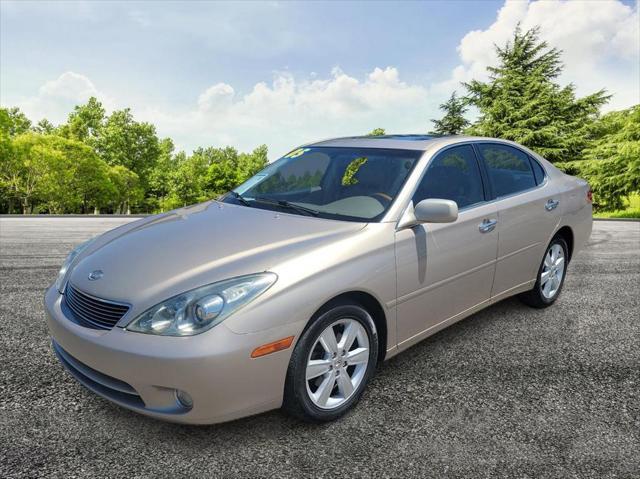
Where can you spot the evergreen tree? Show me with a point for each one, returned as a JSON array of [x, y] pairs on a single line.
[[453, 122], [522, 101], [611, 163]]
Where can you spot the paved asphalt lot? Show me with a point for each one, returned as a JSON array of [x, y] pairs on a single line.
[[510, 391]]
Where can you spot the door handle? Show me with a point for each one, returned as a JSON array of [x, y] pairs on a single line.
[[487, 225], [551, 205]]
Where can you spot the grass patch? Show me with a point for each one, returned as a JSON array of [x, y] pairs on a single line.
[[631, 210]]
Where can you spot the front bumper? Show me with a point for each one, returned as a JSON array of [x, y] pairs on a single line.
[[142, 372]]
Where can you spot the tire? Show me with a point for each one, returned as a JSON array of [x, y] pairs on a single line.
[[308, 399], [548, 288]]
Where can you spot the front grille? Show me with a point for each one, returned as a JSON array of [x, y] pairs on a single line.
[[93, 312]]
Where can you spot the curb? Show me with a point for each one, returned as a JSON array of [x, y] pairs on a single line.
[[617, 219]]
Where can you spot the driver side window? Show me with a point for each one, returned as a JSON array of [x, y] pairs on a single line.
[[454, 175]]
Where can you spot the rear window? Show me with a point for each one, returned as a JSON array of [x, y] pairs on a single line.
[[509, 168]]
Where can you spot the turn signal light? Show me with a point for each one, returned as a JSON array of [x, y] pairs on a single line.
[[269, 348], [590, 196]]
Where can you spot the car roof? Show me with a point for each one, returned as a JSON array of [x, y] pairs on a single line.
[[396, 142]]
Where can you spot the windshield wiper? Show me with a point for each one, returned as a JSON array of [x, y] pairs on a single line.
[[240, 198], [287, 204]]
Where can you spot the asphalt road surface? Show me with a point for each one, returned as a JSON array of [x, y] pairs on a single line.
[[510, 391]]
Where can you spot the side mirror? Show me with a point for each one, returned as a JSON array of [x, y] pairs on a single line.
[[435, 210]]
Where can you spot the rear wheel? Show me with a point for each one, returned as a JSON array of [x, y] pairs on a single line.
[[551, 275], [331, 364]]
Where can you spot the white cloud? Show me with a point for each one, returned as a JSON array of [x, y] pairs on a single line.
[[600, 41], [56, 98], [216, 97], [288, 111], [69, 86]]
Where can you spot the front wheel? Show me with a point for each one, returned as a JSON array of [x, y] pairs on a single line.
[[331, 364], [551, 275]]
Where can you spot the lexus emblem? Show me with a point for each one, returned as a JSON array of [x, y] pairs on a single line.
[[96, 275]]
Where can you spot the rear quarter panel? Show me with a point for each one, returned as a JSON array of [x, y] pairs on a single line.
[[577, 212]]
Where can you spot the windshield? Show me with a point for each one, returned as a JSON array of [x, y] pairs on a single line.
[[354, 184]]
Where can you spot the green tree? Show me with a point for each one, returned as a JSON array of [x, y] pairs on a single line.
[[377, 132], [453, 122], [44, 127], [85, 122], [54, 174], [6, 155], [611, 163], [228, 168], [522, 101], [89, 182], [126, 189], [19, 171], [126, 142], [16, 122], [188, 181], [160, 176]]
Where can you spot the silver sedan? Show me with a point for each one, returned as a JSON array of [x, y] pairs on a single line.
[[290, 289]]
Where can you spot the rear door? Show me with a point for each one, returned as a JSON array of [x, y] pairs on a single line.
[[528, 213], [444, 270]]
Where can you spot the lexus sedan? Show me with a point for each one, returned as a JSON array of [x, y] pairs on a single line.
[[290, 289]]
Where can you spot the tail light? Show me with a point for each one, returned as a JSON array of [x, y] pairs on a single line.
[[589, 196]]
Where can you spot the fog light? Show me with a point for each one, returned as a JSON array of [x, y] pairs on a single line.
[[184, 399]]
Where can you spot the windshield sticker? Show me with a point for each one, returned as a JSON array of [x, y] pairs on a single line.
[[349, 177]]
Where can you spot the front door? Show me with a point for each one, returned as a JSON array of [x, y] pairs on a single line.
[[444, 270]]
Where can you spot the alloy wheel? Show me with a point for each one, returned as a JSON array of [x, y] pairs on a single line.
[[337, 363], [552, 271]]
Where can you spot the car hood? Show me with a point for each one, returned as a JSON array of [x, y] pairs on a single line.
[[162, 256]]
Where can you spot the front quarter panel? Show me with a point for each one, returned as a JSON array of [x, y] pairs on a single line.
[[362, 262]]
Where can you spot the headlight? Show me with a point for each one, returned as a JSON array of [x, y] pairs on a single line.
[[68, 262], [202, 308]]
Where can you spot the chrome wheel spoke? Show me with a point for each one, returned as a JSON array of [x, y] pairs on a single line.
[[559, 262], [318, 367], [328, 340], [545, 277], [345, 386], [323, 392], [348, 336], [548, 262], [357, 356]]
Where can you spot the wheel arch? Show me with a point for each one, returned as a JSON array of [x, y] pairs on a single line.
[[369, 303], [567, 234]]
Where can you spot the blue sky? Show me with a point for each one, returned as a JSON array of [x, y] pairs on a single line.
[[283, 73]]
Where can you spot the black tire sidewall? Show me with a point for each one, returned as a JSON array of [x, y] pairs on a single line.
[[296, 398]]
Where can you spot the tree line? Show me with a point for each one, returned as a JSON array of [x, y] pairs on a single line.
[[99, 163], [114, 164]]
